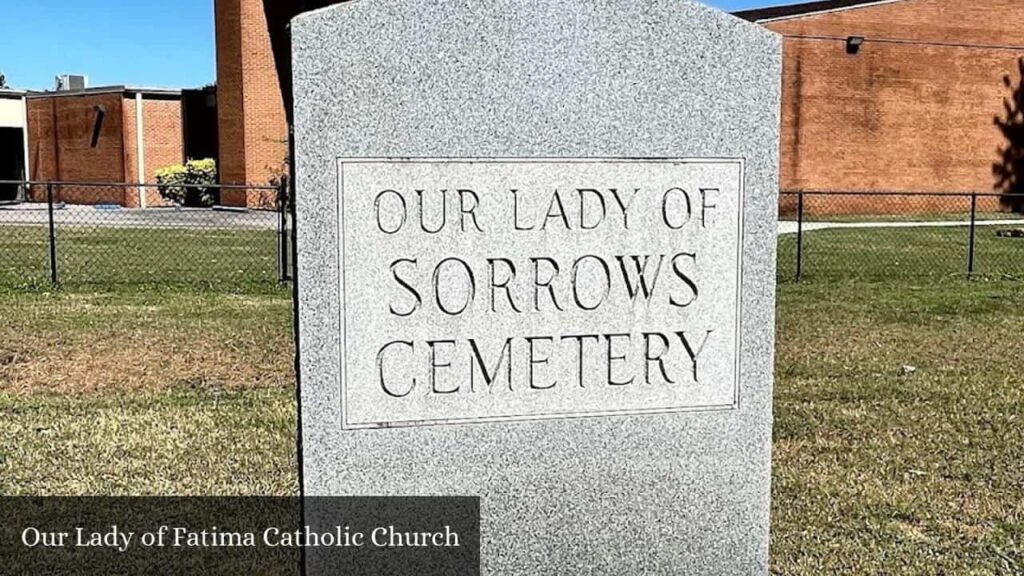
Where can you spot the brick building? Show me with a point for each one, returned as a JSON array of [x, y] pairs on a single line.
[[109, 134], [895, 95], [251, 111], [878, 95], [241, 123]]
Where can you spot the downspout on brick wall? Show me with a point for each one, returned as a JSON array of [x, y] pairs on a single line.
[[140, 150], [25, 136]]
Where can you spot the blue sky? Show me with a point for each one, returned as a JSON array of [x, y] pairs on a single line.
[[162, 43]]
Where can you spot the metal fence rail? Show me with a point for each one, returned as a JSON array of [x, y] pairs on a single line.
[[877, 235], [75, 233], [97, 234]]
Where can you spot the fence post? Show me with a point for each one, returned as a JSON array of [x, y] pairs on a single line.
[[282, 230], [970, 244], [293, 233], [799, 235], [53, 235]]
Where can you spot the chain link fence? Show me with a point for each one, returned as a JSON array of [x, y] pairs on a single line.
[[878, 235], [61, 233]]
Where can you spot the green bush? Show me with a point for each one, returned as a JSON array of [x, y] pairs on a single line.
[[188, 184]]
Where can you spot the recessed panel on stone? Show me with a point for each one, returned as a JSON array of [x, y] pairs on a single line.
[[488, 289]]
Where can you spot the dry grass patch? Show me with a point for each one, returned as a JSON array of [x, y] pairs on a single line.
[[149, 391], [238, 442], [86, 343]]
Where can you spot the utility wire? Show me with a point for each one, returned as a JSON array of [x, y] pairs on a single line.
[[910, 42]]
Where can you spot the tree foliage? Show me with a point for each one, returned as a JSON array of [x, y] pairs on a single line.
[[1009, 171]]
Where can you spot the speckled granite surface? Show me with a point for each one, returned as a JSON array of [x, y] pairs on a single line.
[[674, 493]]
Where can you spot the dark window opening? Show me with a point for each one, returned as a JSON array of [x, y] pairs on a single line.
[[12, 163]]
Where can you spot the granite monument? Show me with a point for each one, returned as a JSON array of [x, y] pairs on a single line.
[[536, 262]]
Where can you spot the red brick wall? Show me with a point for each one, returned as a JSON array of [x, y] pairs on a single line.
[[912, 115], [66, 154], [41, 138], [163, 139], [266, 134], [60, 145], [230, 108], [251, 117]]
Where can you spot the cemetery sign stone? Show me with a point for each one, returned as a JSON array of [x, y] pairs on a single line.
[[536, 265]]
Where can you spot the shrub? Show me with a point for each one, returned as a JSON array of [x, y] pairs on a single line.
[[188, 184]]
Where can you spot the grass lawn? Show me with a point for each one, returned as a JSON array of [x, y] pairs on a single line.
[[878, 469], [914, 254], [146, 392], [98, 257], [963, 215], [882, 470]]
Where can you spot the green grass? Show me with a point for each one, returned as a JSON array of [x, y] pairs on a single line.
[[963, 215], [883, 470], [99, 257], [901, 253], [878, 469]]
